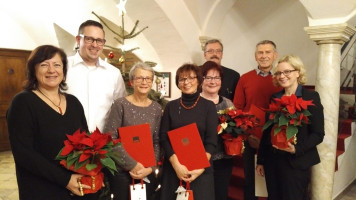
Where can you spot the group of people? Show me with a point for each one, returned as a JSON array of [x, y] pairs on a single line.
[[84, 92]]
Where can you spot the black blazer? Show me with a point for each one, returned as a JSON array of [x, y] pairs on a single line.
[[308, 136]]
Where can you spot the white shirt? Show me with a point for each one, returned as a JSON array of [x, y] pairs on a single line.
[[96, 87]]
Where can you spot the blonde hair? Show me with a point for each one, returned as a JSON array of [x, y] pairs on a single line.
[[296, 63]]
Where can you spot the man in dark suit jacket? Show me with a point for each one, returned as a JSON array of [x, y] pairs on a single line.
[[213, 51]]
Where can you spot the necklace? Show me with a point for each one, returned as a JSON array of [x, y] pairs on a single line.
[[60, 100], [214, 99], [188, 108]]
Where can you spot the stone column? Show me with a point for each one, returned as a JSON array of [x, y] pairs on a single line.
[[330, 39]]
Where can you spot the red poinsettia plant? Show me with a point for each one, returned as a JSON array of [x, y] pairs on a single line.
[[87, 153], [234, 127], [286, 115], [236, 122]]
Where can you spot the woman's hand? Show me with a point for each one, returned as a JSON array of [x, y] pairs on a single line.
[[194, 174], [260, 170], [75, 186], [137, 167], [142, 173], [290, 148], [181, 170]]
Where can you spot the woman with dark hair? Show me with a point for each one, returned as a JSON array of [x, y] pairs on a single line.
[[189, 108], [213, 75], [38, 120]]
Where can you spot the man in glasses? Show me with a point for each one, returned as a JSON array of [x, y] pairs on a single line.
[[213, 51], [93, 81], [255, 88]]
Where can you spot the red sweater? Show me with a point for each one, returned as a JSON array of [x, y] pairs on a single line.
[[254, 89]]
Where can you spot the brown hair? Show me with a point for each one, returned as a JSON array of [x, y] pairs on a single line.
[[186, 68], [38, 55], [90, 23], [209, 65]]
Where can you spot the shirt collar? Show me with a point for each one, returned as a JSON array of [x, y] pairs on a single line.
[[261, 73], [79, 60]]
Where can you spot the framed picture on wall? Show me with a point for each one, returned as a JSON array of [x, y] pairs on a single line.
[[164, 84]]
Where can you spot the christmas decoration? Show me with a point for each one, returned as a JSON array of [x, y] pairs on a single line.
[[121, 63], [111, 55]]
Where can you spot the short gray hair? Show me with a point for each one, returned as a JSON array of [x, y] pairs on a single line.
[[267, 42], [211, 41], [140, 65]]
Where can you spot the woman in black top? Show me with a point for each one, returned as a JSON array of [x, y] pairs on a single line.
[[38, 120], [189, 108], [287, 170]]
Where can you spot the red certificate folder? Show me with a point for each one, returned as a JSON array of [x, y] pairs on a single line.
[[188, 147], [137, 141], [261, 115]]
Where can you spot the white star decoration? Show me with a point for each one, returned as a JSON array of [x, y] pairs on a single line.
[[121, 7]]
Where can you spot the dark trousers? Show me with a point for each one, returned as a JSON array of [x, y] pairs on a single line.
[[222, 175], [283, 181], [120, 183], [249, 172]]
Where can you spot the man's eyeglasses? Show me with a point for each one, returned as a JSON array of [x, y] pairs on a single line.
[[189, 79], [211, 79], [211, 51], [141, 79], [90, 40], [285, 72]]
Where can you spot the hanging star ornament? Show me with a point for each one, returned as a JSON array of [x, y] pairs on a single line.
[[121, 7]]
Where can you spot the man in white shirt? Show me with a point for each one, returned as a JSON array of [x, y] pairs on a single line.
[[93, 81]]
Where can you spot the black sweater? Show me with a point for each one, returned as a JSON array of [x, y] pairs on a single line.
[[37, 133], [203, 114]]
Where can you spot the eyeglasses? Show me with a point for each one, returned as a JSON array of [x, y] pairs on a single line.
[[210, 78], [189, 79], [285, 72], [90, 40], [211, 51], [140, 79]]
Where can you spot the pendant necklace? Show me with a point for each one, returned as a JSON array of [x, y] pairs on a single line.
[[190, 107], [58, 107]]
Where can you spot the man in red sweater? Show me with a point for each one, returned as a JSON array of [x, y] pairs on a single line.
[[255, 88]]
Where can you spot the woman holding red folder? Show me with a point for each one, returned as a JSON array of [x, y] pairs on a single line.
[[189, 108], [134, 109]]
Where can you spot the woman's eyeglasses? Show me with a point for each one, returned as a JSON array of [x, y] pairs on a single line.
[[285, 72]]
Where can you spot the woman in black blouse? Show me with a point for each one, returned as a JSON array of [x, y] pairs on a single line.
[[38, 120], [189, 108]]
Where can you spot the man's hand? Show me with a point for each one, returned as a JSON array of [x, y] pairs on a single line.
[[260, 170]]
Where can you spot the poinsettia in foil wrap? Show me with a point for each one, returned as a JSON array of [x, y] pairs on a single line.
[[286, 115], [87, 153], [234, 127]]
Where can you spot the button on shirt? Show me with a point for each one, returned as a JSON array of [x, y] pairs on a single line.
[[96, 87]]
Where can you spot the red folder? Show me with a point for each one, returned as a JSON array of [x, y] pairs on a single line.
[[188, 147], [137, 141], [261, 115]]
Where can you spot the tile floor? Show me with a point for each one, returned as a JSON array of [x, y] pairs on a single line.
[[8, 185]]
